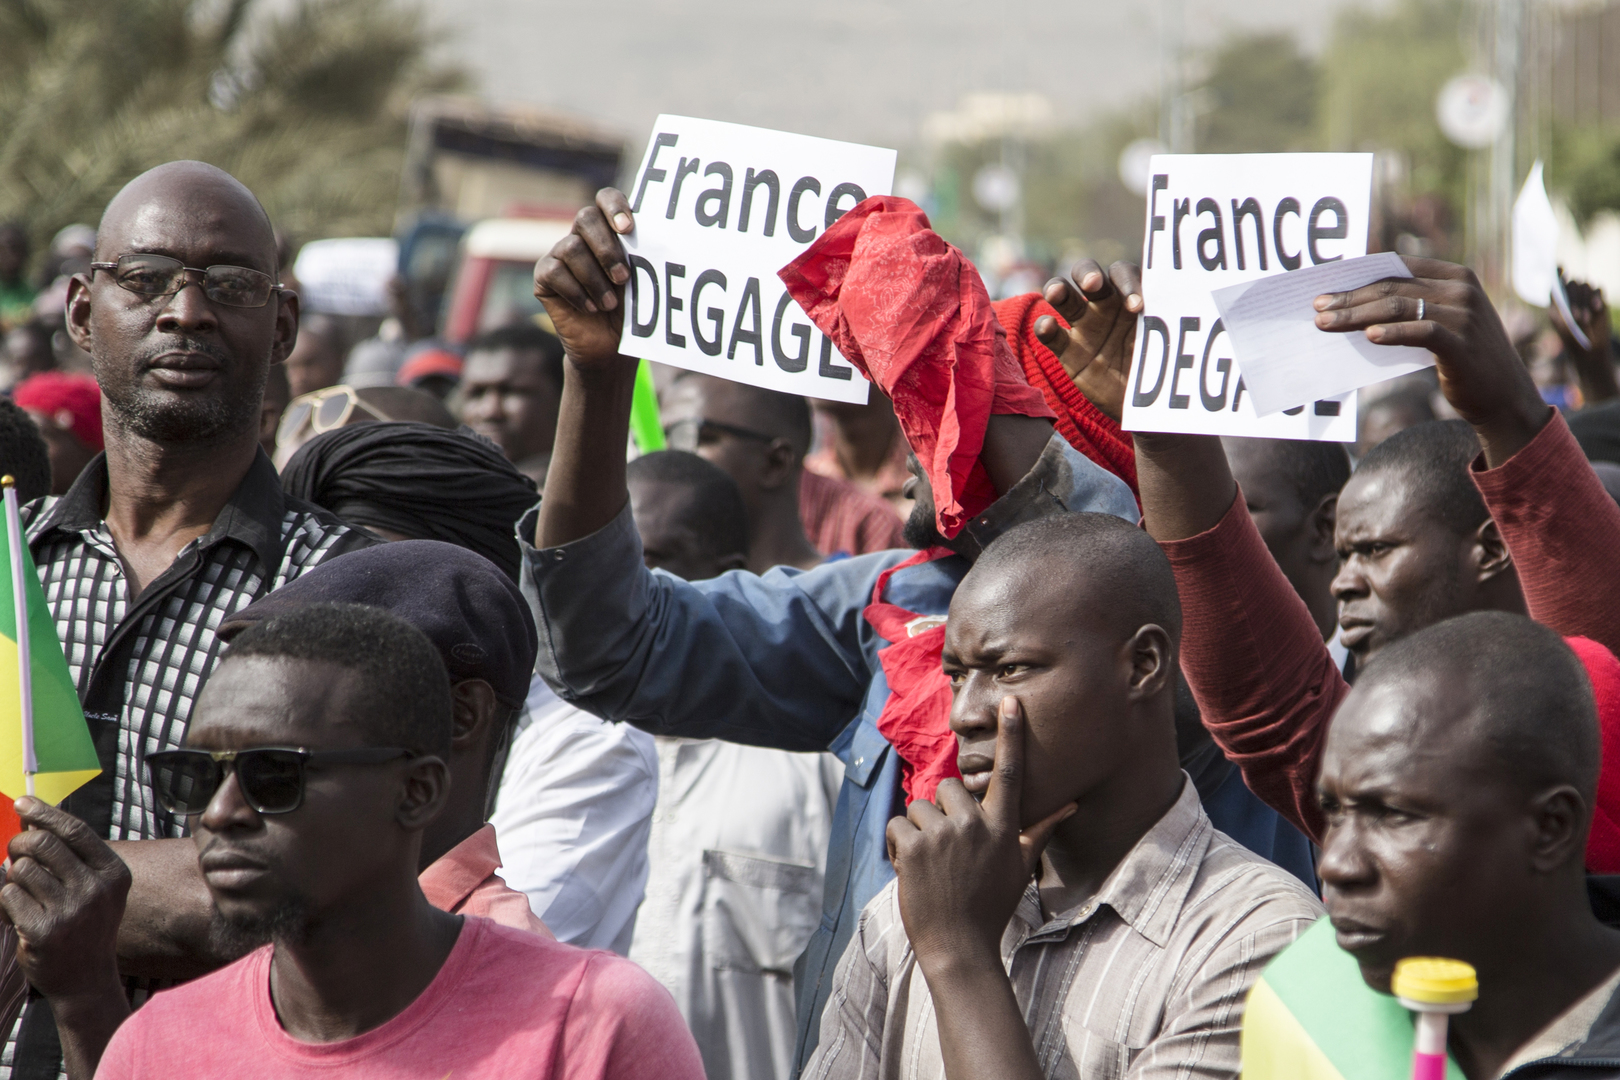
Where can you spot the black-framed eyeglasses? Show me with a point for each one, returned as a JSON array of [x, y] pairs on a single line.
[[690, 434], [155, 276], [271, 777]]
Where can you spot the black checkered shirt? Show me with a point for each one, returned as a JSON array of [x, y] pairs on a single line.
[[140, 662]]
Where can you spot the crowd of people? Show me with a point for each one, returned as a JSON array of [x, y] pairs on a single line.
[[960, 734]]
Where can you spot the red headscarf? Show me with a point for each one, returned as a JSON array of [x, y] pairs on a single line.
[[70, 401], [910, 312]]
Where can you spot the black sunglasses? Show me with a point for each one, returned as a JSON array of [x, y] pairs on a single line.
[[271, 777], [689, 434], [154, 276]]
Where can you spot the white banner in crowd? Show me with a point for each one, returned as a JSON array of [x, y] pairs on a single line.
[[720, 208], [1215, 220]]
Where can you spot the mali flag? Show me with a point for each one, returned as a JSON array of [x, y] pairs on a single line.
[[1311, 1017], [62, 744]]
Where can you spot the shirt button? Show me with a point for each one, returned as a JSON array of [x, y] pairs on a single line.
[[859, 762]]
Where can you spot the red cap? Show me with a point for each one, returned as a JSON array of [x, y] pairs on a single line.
[[910, 312], [70, 401], [426, 363]]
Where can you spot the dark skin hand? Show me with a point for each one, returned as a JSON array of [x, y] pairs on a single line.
[[64, 893], [962, 868], [1186, 485], [1481, 373], [1594, 367], [581, 282], [1101, 310]]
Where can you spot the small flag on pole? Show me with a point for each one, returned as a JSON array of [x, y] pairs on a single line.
[[45, 744], [1311, 1016]]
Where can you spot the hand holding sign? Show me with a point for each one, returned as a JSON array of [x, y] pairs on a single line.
[[581, 282], [720, 209], [1101, 311], [1481, 373]]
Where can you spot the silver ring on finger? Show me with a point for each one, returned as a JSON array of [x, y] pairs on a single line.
[[1420, 309]]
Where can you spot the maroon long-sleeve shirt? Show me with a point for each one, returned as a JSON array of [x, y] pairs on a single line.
[[1265, 681]]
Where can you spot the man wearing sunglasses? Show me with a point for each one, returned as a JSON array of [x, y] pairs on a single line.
[[182, 520], [312, 774]]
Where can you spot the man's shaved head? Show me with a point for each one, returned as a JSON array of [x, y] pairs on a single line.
[[1095, 562], [1433, 458], [1457, 784], [182, 368], [1522, 695], [1076, 616], [185, 187]]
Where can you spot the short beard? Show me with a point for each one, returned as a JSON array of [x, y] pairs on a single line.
[[287, 923], [921, 531], [156, 419]]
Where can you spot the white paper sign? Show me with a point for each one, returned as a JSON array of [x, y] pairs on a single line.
[[720, 208], [1215, 220], [1286, 360]]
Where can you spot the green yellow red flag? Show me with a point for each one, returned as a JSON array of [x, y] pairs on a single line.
[[1310, 1016], [64, 757]]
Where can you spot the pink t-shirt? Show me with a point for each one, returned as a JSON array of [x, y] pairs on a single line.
[[506, 1003]]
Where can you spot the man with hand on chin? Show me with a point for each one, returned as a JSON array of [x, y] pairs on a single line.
[[1085, 920]]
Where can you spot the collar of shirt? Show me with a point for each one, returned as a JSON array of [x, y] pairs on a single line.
[[455, 874], [1062, 479], [1147, 888], [252, 516]]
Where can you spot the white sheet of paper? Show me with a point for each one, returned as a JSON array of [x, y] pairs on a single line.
[[1215, 220], [720, 208], [1535, 241], [1286, 360]]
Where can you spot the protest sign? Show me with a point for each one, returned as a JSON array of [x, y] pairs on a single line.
[[1215, 220], [720, 208], [1286, 360]]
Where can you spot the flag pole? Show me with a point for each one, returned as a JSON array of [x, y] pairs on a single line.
[[15, 542]]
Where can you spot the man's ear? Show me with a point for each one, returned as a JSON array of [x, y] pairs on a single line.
[[1320, 525], [1491, 555], [473, 711], [1152, 662], [286, 335], [78, 311], [780, 461], [423, 792], [1557, 816]]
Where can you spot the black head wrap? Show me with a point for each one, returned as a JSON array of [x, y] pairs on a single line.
[[418, 480]]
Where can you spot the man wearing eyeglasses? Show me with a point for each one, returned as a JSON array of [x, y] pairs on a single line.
[[312, 778], [179, 523]]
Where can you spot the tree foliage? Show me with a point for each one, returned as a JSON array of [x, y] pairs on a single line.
[[305, 104]]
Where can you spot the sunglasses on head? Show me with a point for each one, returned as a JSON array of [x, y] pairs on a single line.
[[271, 777], [322, 411], [154, 276]]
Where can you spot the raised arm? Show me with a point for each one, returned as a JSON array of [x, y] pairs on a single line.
[[1560, 525], [581, 282], [1264, 681]]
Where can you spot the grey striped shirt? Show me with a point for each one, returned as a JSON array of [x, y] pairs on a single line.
[[1146, 979]]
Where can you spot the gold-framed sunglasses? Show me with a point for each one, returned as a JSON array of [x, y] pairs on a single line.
[[323, 410], [152, 277]]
